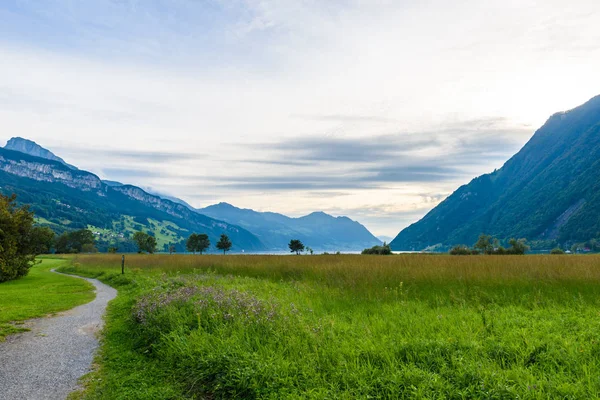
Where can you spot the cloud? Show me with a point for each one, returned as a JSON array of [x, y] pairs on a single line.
[[364, 149], [120, 173], [347, 118], [132, 156]]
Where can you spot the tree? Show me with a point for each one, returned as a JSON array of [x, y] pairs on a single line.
[[42, 239], [145, 242], [517, 246], [18, 239], [224, 243], [296, 246], [172, 248], [485, 244], [74, 241], [204, 243], [191, 243], [197, 243], [557, 250]]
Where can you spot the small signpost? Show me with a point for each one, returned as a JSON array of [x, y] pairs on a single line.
[[123, 265]]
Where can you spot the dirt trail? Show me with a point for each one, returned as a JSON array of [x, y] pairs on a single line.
[[46, 362]]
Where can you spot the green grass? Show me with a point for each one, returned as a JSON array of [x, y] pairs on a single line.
[[165, 232], [38, 294], [345, 327]]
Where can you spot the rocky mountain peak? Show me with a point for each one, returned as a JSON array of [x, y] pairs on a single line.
[[33, 149]]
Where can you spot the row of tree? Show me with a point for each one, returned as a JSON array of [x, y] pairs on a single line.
[[487, 244]]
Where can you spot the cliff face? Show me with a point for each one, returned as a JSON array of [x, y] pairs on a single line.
[[49, 187], [38, 169], [172, 208]]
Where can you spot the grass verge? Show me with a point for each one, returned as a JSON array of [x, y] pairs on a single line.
[[345, 327], [38, 294]]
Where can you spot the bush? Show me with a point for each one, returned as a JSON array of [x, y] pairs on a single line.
[[462, 250], [378, 250], [557, 250]]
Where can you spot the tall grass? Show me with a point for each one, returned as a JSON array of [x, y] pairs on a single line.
[[372, 270], [341, 326]]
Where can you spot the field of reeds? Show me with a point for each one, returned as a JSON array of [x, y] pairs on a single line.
[[348, 326]]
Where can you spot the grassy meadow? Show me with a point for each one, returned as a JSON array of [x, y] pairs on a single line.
[[38, 294], [348, 326]]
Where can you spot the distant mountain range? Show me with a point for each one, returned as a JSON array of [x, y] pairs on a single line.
[[549, 192], [64, 197], [317, 230]]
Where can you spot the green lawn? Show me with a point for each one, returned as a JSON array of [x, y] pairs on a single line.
[[347, 327], [40, 293]]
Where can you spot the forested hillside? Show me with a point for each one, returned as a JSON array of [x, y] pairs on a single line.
[[549, 191]]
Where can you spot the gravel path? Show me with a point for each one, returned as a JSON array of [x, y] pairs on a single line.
[[46, 362]]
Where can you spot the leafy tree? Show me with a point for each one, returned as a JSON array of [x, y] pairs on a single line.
[[172, 249], [197, 243], [145, 242], [517, 246], [485, 244], [18, 239], [557, 250], [224, 243], [191, 242], [73, 242], [296, 246], [203, 243], [42, 239]]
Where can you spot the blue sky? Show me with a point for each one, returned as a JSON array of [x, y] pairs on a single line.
[[372, 109]]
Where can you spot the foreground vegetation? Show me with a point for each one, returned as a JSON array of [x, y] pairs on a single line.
[[38, 294], [408, 326]]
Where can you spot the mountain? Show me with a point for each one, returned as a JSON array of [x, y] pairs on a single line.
[[166, 196], [66, 198], [549, 191], [33, 149], [318, 230], [385, 239]]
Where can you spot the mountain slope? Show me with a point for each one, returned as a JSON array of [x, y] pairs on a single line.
[[33, 149], [548, 190], [318, 230], [257, 231], [65, 198]]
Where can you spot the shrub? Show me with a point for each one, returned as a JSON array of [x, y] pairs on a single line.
[[463, 250], [557, 250], [378, 250]]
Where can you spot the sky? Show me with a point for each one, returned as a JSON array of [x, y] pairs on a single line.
[[372, 109]]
